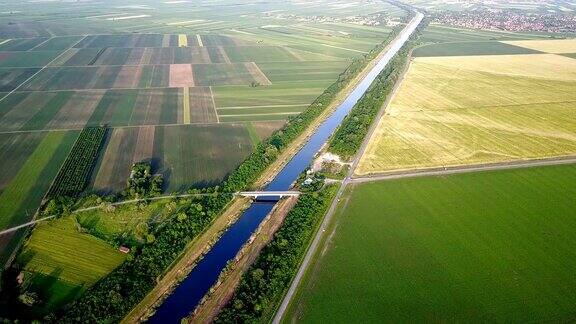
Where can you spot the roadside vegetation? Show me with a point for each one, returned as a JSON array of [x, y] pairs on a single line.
[[264, 284]]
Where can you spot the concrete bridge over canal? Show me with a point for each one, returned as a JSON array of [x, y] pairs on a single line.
[[260, 194]]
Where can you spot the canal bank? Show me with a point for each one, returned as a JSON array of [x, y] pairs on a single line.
[[186, 296]]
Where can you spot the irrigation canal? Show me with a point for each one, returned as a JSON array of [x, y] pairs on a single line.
[[184, 299]]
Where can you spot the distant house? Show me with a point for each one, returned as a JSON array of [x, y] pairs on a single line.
[[124, 249]]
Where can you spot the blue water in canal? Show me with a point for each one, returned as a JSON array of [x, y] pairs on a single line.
[[188, 294]]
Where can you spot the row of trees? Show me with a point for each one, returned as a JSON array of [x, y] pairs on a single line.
[[116, 294], [76, 170], [350, 135], [263, 286]]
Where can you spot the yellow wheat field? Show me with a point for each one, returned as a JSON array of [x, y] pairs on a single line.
[[548, 46], [477, 109]]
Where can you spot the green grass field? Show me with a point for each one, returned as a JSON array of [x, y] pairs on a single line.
[[477, 247], [33, 178], [129, 222], [470, 48], [22, 195], [60, 261]]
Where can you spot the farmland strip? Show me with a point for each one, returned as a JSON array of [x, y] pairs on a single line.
[[182, 40], [144, 144], [33, 75], [224, 54], [186, 105], [199, 41]]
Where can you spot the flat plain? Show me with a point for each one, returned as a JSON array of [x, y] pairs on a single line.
[[476, 109], [478, 247], [201, 75], [189, 87]]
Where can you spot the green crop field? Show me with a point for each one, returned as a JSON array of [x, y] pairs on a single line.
[[34, 163], [60, 261], [186, 155], [471, 48], [479, 247], [442, 34], [476, 109]]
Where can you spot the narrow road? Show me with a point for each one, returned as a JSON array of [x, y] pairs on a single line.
[[410, 28], [254, 194], [465, 169]]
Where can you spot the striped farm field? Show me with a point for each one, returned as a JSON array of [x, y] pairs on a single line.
[[61, 262], [91, 259], [135, 56], [471, 48], [77, 109], [494, 247], [34, 160], [27, 59], [11, 78], [477, 109], [186, 155], [303, 71], [289, 93], [57, 43], [228, 74], [144, 76], [22, 44]]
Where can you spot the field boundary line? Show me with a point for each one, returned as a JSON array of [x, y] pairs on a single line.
[[264, 114], [31, 49], [214, 105], [265, 106], [258, 70], [5, 41], [42, 69], [467, 168], [343, 48]]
